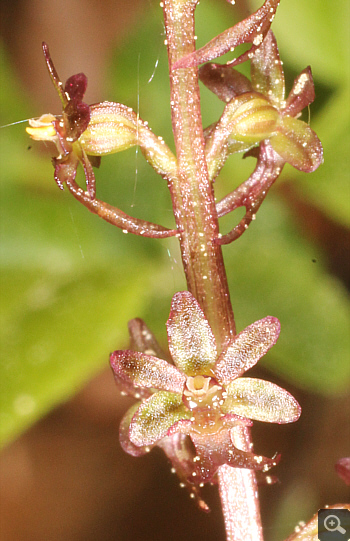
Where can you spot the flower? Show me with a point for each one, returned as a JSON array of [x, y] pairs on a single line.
[[257, 114], [257, 110], [191, 407], [84, 132]]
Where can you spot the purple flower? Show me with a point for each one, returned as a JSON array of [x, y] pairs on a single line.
[[190, 408]]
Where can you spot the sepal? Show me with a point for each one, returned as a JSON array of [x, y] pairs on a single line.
[[191, 341], [301, 95], [140, 370], [224, 81], [252, 30], [155, 416], [261, 400], [245, 349], [142, 339], [267, 71]]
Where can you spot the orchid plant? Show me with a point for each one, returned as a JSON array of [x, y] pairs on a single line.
[[202, 397], [194, 400]]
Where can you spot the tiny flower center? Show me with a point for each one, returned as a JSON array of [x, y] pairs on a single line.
[[198, 385], [202, 392]]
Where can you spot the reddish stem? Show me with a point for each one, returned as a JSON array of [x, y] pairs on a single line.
[[239, 496], [197, 223], [191, 191]]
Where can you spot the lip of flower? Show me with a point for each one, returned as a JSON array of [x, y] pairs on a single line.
[[42, 129], [203, 395]]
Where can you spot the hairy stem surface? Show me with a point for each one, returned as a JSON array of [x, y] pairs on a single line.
[[197, 223], [192, 193]]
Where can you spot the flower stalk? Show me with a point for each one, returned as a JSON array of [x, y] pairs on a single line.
[[196, 219], [191, 191], [198, 408]]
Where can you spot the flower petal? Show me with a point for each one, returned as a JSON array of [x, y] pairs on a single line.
[[124, 438], [155, 416], [301, 95], [77, 117], [224, 81], [251, 30], [75, 86], [267, 72], [246, 349], [298, 144], [54, 75], [191, 341], [140, 370], [261, 401], [213, 450]]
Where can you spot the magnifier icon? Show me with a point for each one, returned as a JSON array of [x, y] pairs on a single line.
[[332, 524]]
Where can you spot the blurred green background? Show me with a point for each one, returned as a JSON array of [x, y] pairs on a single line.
[[70, 282]]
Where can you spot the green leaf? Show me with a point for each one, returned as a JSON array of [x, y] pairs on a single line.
[[57, 334]]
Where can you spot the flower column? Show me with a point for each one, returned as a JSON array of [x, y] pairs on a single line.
[[196, 219]]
